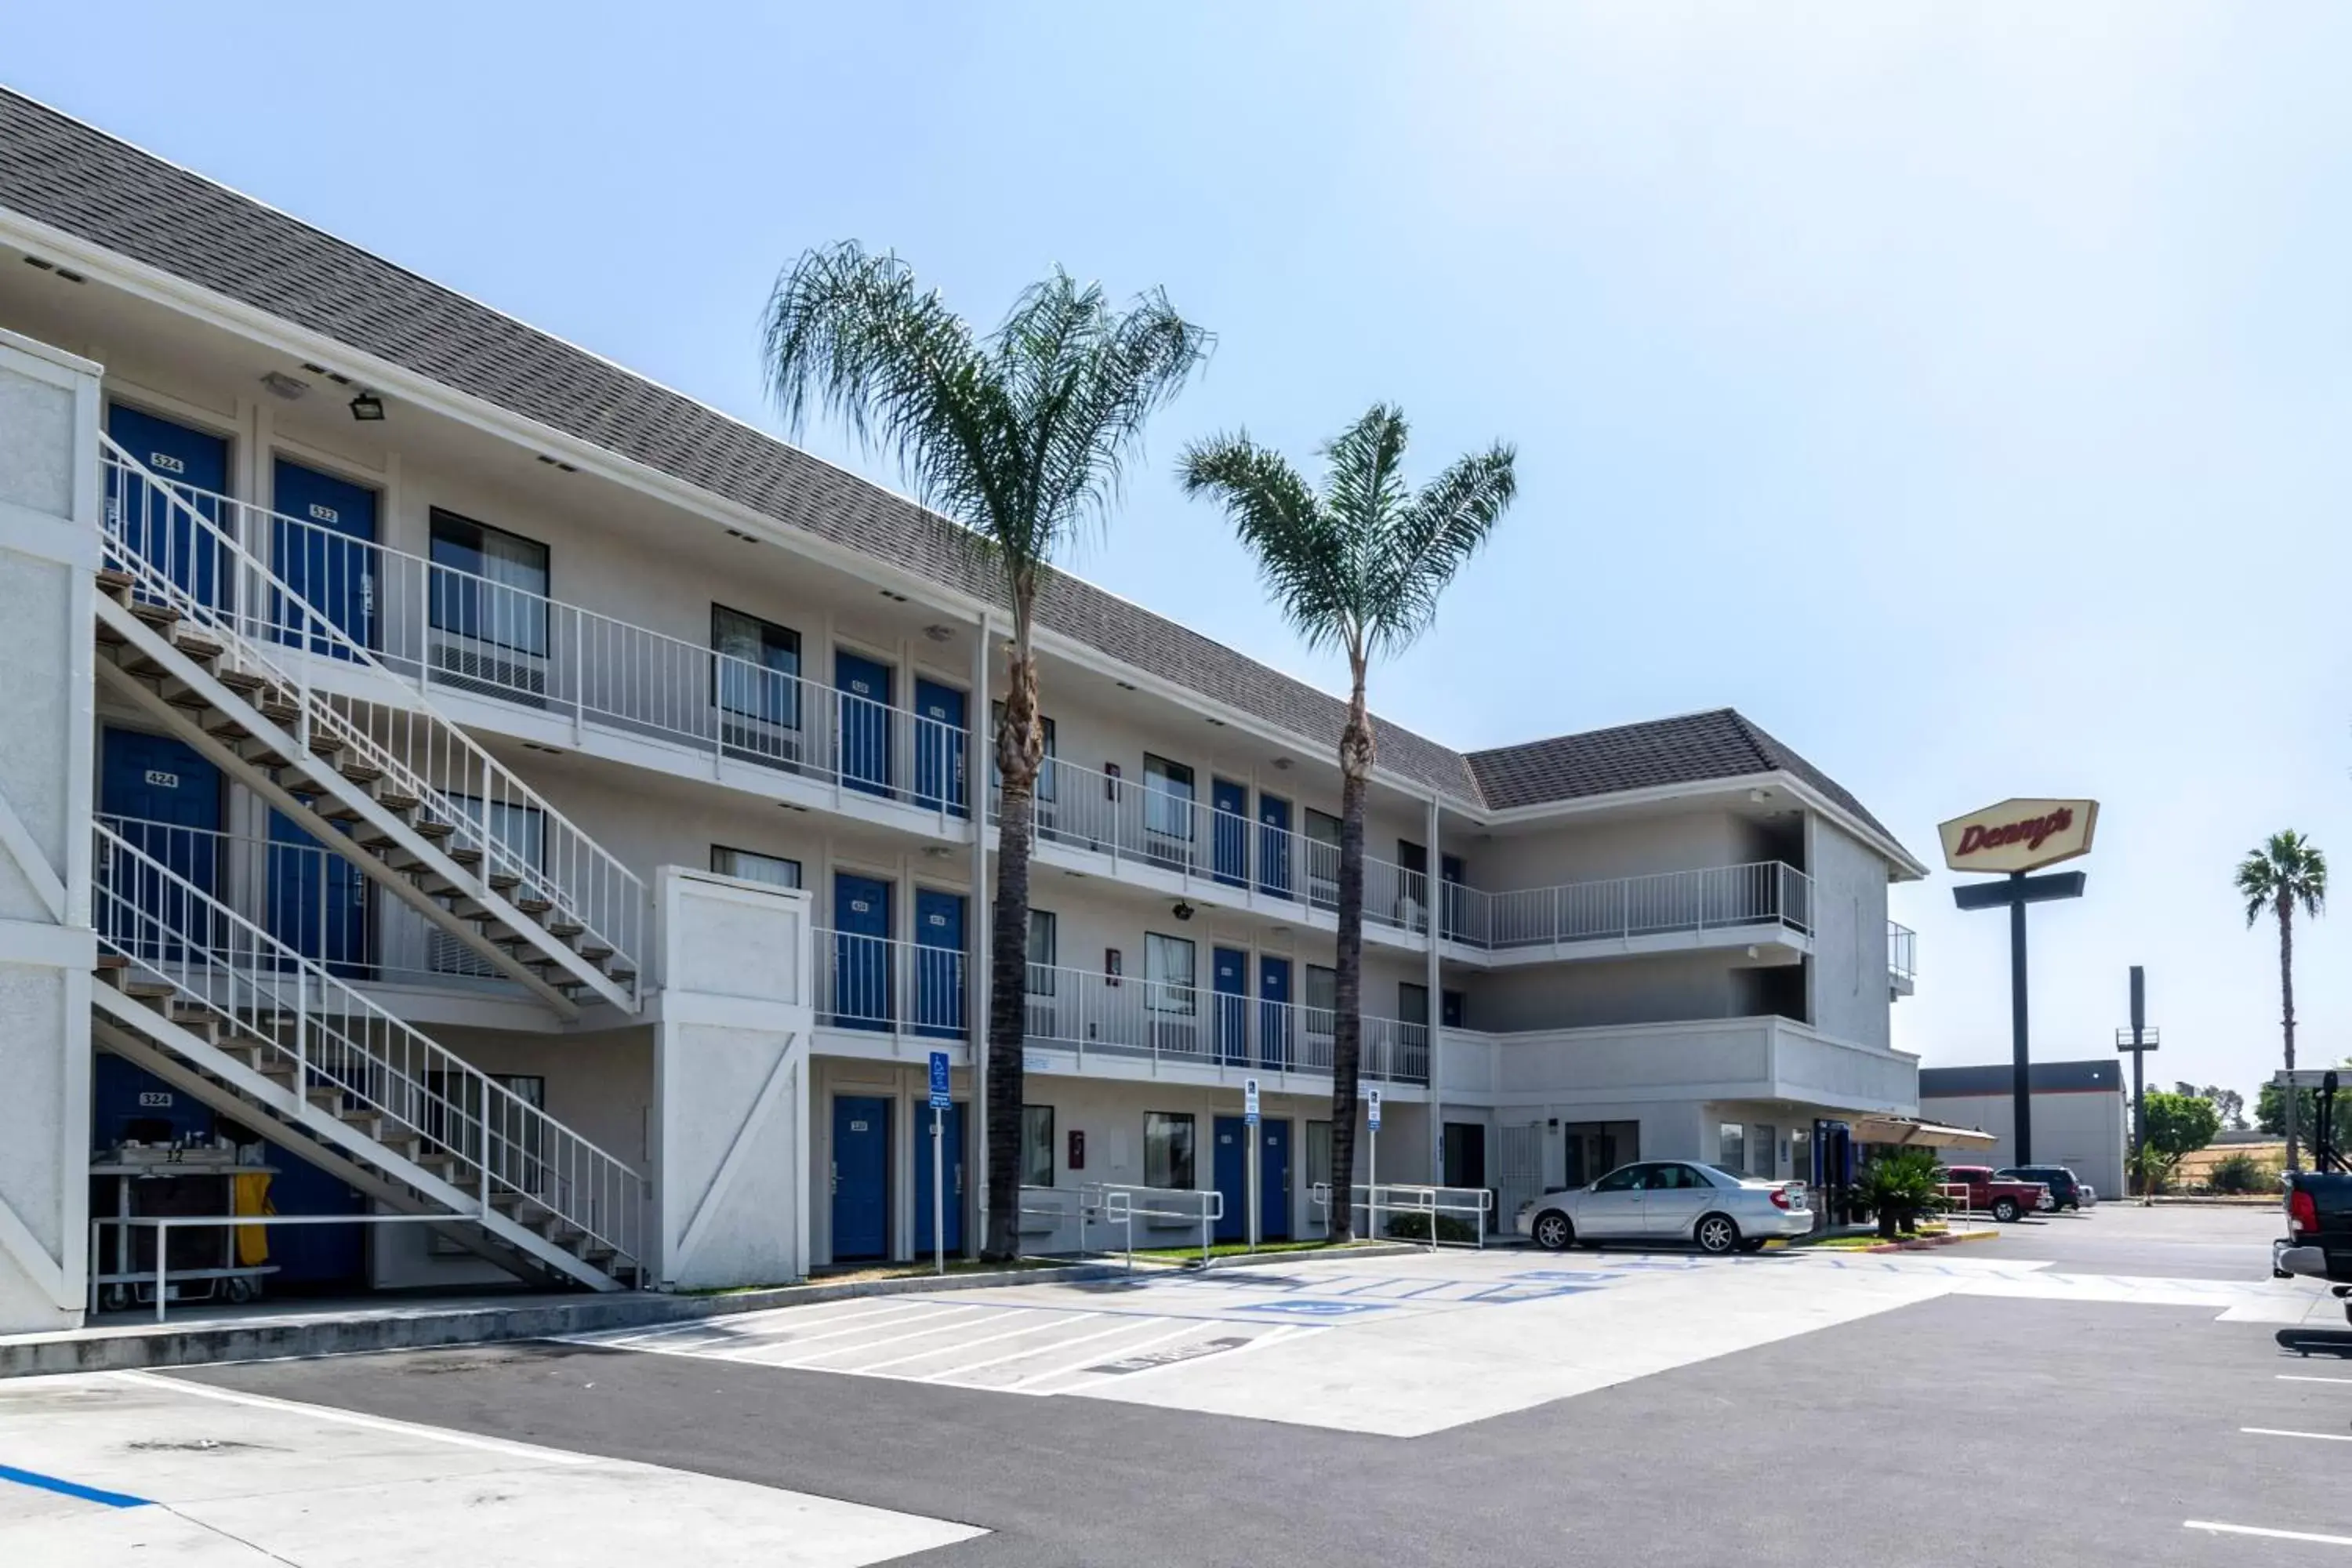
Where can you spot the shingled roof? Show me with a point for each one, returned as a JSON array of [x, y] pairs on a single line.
[[1722, 744], [72, 176]]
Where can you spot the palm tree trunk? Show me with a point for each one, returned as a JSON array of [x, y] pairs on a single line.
[[2286, 1019], [1348, 1027], [1019, 747]]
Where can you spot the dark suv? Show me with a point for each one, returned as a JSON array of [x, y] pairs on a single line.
[[2065, 1192]]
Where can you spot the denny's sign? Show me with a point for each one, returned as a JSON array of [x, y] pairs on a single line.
[[2020, 835]]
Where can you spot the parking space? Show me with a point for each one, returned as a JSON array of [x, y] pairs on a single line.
[[1401, 1346], [1959, 1407], [126, 1467]]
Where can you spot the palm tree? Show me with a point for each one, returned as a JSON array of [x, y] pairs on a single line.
[[1357, 568], [1021, 435], [2287, 870]]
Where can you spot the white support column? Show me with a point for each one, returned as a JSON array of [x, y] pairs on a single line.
[[1433, 891], [51, 493], [979, 744]]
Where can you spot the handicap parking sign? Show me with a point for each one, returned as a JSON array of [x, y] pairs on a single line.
[[940, 1080], [1315, 1308]]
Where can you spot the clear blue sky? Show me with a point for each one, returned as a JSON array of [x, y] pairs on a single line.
[[1961, 391]]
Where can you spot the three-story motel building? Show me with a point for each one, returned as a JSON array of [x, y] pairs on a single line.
[[501, 787]]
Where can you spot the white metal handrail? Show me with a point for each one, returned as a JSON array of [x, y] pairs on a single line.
[[168, 537], [1124, 820], [1622, 908], [216, 959], [310, 897], [441, 625], [883, 983], [1430, 1203], [1124, 1014], [1902, 953]]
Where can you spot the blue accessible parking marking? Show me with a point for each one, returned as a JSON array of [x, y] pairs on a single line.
[[1316, 1309], [70, 1488]]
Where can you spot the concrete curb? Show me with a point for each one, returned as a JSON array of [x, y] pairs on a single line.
[[1302, 1255], [530, 1318], [1923, 1243]]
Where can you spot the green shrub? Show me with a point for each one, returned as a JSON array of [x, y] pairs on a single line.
[[2242, 1174], [1450, 1227]]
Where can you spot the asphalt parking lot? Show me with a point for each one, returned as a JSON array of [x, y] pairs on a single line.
[[2070, 1394]]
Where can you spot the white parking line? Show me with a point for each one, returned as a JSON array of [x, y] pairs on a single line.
[[353, 1419], [1192, 1326], [984, 1339], [735, 1349], [931, 1326], [2207, 1524], [1126, 1327], [818, 1313], [2277, 1432], [2296, 1377]]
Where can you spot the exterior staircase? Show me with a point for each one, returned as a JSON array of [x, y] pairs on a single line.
[[216, 1005], [223, 653]]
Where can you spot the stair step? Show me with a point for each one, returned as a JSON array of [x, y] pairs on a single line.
[[116, 585], [229, 730], [621, 977], [112, 960], [504, 881], [394, 801], [428, 828], [565, 929], [360, 773], [463, 855], [534, 907], [149, 990], [244, 682], [108, 634], [197, 646], [155, 614], [594, 952]]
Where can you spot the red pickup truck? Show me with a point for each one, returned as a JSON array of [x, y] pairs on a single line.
[[2006, 1200]]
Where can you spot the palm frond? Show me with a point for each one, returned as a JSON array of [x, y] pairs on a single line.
[[1286, 528], [2288, 869], [1444, 525], [853, 334]]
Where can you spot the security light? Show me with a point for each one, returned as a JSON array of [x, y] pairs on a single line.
[[367, 407], [1183, 910]]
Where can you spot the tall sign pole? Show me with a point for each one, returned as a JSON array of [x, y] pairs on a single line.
[[2142, 1040], [2014, 837]]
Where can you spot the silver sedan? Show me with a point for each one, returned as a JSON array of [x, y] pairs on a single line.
[[1669, 1200]]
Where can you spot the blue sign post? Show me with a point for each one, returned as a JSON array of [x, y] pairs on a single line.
[[939, 1103], [1249, 1132], [1372, 1153]]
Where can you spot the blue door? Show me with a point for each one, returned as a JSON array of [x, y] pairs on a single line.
[[1229, 981], [1273, 845], [1273, 1014], [1229, 831], [318, 900], [1273, 1181], [939, 747], [1454, 911], [312, 1256], [168, 800], [861, 1177], [197, 466], [952, 1144], [323, 547], [938, 964], [862, 993], [1231, 1163], [864, 700]]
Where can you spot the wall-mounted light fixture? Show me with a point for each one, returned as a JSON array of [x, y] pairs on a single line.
[[367, 407], [1182, 912]]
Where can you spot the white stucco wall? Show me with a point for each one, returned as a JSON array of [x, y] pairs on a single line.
[[49, 502], [1848, 979], [2087, 1131]]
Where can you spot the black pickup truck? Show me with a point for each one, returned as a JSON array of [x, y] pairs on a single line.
[[2318, 1240]]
